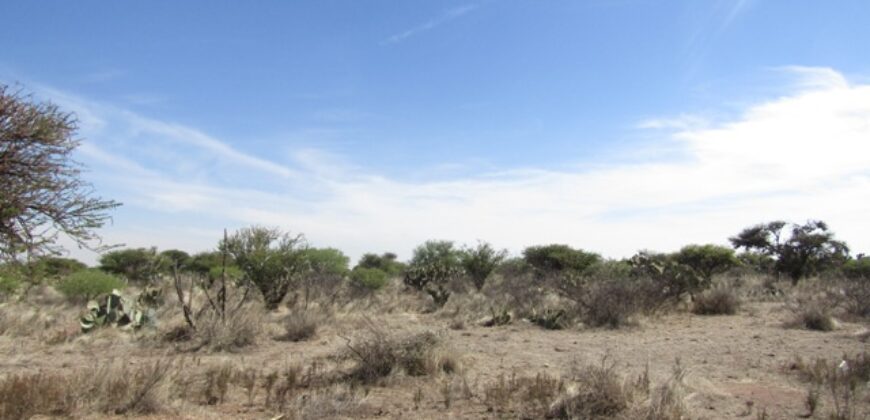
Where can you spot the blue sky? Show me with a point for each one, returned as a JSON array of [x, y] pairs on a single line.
[[373, 125]]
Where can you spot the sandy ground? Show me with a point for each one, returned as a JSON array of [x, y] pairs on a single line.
[[736, 365]]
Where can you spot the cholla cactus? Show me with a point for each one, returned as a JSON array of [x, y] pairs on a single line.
[[118, 311]]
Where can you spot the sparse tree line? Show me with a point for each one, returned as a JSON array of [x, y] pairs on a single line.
[[277, 264]]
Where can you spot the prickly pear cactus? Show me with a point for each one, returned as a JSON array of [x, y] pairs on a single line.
[[115, 310]]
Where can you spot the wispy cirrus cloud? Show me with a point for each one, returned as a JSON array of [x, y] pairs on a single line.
[[797, 156], [444, 17]]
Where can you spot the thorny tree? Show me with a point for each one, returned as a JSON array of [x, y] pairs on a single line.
[[41, 193]]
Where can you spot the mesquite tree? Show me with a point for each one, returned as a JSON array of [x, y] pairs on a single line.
[[42, 195]]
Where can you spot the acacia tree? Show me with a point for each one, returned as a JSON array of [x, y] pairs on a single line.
[[806, 250], [42, 194], [270, 259]]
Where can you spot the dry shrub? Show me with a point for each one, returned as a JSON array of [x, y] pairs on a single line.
[[108, 389], [844, 382], [230, 333], [339, 401], [812, 316], [666, 401], [716, 301], [379, 354], [611, 303], [599, 392], [595, 391], [216, 383], [531, 396], [299, 325], [856, 297]]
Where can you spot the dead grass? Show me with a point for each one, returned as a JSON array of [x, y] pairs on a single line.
[[300, 325], [595, 391], [842, 385], [378, 354], [811, 316], [109, 389], [721, 300]]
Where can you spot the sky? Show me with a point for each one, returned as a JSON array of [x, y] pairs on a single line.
[[373, 126]]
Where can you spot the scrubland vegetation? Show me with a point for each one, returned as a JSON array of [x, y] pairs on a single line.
[[266, 326]]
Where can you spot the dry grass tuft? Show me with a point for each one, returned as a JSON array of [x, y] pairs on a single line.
[[379, 354], [716, 301], [108, 389], [811, 317], [299, 325], [844, 383]]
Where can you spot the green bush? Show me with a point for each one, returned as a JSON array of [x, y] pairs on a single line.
[[232, 273], [756, 261], [56, 267], [172, 259], [559, 258], [857, 269], [385, 262], [480, 261], [86, 284], [370, 278], [707, 260], [271, 259], [799, 250], [673, 279], [135, 264], [204, 262], [326, 261], [10, 280], [434, 266]]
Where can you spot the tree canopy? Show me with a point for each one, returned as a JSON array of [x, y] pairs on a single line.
[[43, 195]]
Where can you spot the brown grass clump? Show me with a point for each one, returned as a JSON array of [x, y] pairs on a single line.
[[379, 354], [107, 389], [530, 397], [843, 382], [716, 301], [217, 334], [598, 393], [299, 325], [595, 391], [811, 317]]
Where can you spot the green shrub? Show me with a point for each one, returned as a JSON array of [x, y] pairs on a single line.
[[707, 260], [673, 278], [204, 262], [172, 259], [611, 269], [10, 280], [799, 250], [857, 269], [385, 262], [135, 264], [369, 278], [434, 266], [86, 284], [757, 261], [232, 273], [479, 262], [57, 267], [558, 258], [271, 259], [327, 261]]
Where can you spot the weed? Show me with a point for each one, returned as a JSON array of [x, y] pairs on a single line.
[[716, 301], [299, 325]]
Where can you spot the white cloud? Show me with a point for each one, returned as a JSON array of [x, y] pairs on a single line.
[[445, 17], [799, 156]]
